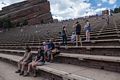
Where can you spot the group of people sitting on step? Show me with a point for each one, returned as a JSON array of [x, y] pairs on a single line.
[[30, 60], [75, 38]]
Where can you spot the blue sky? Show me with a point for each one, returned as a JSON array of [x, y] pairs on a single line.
[[66, 9]]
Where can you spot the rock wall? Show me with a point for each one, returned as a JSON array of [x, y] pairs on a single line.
[[34, 11]]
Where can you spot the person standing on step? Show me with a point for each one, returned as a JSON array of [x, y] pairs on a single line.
[[73, 38], [64, 36], [87, 29], [27, 58], [77, 27], [38, 61]]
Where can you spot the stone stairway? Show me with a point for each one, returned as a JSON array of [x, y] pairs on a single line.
[[67, 71]]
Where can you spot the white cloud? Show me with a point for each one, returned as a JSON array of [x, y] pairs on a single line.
[[100, 9], [66, 9], [99, 5], [4, 3], [104, 1], [112, 1], [109, 1]]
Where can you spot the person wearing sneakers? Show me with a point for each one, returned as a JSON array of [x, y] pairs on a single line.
[[27, 58], [21, 61], [51, 46], [64, 36], [55, 52], [77, 27], [38, 61], [45, 46], [87, 29], [73, 38]]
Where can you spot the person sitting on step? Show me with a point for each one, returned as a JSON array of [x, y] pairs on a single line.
[[38, 61], [51, 46], [27, 58], [55, 52]]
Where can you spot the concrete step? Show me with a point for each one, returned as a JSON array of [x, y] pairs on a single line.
[[92, 61], [48, 71], [110, 63], [69, 72], [7, 72], [102, 37], [107, 42], [93, 36], [98, 36], [92, 50]]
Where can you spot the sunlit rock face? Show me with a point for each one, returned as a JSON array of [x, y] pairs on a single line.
[[33, 11]]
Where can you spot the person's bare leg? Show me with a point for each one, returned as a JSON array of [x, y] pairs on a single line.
[[89, 36], [80, 40], [34, 68], [29, 67], [22, 69], [19, 67], [23, 66], [76, 40], [86, 36], [51, 56], [28, 70]]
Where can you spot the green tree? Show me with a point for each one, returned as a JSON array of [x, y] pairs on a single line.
[[116, 10], [7, 23], [23, 22], [1, 23]]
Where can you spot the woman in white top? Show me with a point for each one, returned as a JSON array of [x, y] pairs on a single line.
[[87, 29]]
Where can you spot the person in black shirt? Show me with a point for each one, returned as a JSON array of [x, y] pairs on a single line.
[[55, 52], [77, 27], [38, 61], [64, 36], [51, 46]]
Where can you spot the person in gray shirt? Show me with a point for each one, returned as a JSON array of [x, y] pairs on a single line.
[[27, 58]]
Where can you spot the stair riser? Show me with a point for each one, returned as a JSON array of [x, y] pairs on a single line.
[[104, 65], [93, 51], [94, 38]]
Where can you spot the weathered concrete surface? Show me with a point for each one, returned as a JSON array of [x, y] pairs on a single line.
[[91, 73], [7, 72]]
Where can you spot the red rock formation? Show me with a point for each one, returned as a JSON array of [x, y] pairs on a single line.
[[34, 11]]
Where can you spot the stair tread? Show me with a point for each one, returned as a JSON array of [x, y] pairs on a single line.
[[72, 70], [79, 56]]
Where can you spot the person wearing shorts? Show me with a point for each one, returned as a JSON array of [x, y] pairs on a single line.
[[73, 38], [87, 29], [27, 58], [77, 27], [51, 46], [55, 52], [38, 61]]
